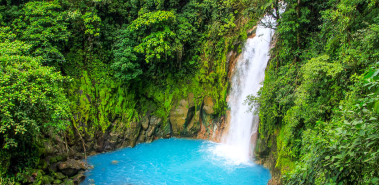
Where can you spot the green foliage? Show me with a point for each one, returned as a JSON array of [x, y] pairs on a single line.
[[347, 145], [43, 25], [125, 58], [32, 99], [316, 92], [31, 95]]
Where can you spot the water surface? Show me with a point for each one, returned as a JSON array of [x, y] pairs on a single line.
[[172, 161]]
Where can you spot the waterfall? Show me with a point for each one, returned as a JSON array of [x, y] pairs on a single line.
[[248, 74]]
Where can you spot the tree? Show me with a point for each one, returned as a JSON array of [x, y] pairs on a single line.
[[32, 96]]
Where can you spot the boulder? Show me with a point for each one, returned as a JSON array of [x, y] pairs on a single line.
[[145, 122], [71, 167], [47, 179], [142, 137], [77, 179], [150, 130], [155, 121], [59, 175], [114, 162]]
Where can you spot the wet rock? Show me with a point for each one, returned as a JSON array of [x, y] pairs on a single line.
[[208, 105], [166, 130], [252, 32], [155, 121], [78, 178], [163, 131], [114, 162], [132, 133], [194, 126], [182, 115], [71, 167], [145, 122], [150, 130], [142, 137]]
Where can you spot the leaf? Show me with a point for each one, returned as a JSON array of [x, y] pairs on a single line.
[[362, 133], [375, 180]]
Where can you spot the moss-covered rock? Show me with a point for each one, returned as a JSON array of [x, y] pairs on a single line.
[[58, 158], [71, 167], [47, 179], [57, 181], [68, 182], [59, 175], [43, 164], [77, 179]]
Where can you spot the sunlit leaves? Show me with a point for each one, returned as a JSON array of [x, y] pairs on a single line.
[[31, 95], [43, 25]]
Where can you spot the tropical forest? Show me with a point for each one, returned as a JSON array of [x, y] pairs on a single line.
[[189, 92]]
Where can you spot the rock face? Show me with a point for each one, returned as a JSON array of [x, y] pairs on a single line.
[[184, 118], [71, 167], [208, 105], [212, 126], [145, 122], [265, 154], [178, 117]]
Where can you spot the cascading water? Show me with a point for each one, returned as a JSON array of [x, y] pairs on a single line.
[[248, 74]]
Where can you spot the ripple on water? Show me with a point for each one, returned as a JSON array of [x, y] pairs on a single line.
[[173, 161]]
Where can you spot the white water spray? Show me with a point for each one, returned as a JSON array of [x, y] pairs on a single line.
[[248, 74]]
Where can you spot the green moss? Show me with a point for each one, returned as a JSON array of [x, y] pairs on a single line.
[[59, 175], [53, 160], [42, 164], [68, 182], [57, 181], [61, 157], [47, 179]]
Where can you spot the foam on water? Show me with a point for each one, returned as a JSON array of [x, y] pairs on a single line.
[[172, 161]]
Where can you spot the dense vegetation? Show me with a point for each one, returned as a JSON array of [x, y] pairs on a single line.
[[70, 66], [65, 64], [320, 95]]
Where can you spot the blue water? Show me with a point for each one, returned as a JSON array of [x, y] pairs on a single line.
[[172, 161]]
